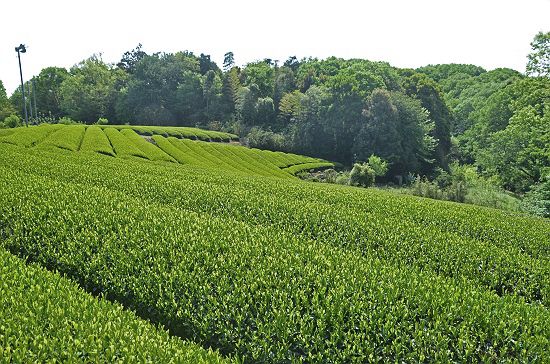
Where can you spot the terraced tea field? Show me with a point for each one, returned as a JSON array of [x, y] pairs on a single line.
[[229, 255], [189, 146]]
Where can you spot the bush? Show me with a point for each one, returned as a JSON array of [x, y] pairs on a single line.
[[66, 121], [379, 166], [538, 199], [362, 175], [11, 121], [424, 188], [261, 139], [102, 121]]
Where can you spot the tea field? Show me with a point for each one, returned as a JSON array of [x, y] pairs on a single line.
[[238, 260]]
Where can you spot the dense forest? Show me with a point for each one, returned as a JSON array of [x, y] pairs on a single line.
[[424, 121]]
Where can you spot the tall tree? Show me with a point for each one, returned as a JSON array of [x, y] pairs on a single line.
[[228, 61], [48, 90], [165, 89], [6, 107], [518, 152], [539, 60], [260, 74], [131, 59], [429, 92], [91, 90]]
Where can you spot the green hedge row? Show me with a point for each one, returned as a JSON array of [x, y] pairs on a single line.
[[95, 140], [28, 137], [152, 152], [47, 318], [307, 167], [122, 146], [68, 138]]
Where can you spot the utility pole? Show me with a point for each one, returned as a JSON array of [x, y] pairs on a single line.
[[19, 50], [29, 91], [34, 92]]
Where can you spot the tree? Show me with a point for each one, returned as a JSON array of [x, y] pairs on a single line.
[[48, 90], [206, 64], [212, 87], [539, 60], [519, 153], [379, 133], [91, 90], [131, 59], [284, 83], [228, 61], [230, 90], [246, 104], [260, 74], [165, 89], [6, 107], [292, 63], [426, 90], [362, 175]]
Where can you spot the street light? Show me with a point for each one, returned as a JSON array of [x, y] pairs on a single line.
[[19, 50]]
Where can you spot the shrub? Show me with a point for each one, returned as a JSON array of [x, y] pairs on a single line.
[[379, 166], [66, 121], [261, 139], [538, 199], [102, 121], [362, 175], [331, 175], [11, 121]]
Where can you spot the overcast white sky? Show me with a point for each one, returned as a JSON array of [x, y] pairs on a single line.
[[405, 33]]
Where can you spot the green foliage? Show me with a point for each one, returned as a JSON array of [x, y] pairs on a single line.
[[259, 138], [102, 121], [122, 146], [68, 137], [362, 175], [91, 90], [11, 121], [426, 90], [51, 319], [538, 199], [66, 121], [539, 60], [95, 140], [379, 166], [265, 269]]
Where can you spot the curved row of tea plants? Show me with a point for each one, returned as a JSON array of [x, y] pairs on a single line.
[[28, 137], [179, 132], [47, 318], [95, 140], [277, 270]]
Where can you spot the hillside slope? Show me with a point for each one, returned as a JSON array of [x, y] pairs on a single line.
[[275, 270]]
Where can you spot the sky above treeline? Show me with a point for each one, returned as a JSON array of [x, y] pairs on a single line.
[[408, 34]]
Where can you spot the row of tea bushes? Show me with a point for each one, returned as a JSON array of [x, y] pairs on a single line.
[[68, 138], [28, 137], [122, 146], [151, 151], [96, 141], [48, 318], [179, 132]]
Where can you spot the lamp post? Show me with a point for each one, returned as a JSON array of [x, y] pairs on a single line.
[[19, 50]]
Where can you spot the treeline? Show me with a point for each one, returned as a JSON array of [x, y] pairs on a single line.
[[418, 121]]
